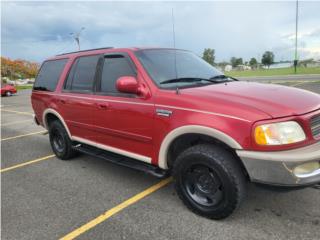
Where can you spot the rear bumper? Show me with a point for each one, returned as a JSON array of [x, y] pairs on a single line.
[[278, 168]]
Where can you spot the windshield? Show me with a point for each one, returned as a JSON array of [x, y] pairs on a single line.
[[160, 65]]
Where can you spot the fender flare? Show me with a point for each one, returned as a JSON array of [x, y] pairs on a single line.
[[195, 129], [54, 112]]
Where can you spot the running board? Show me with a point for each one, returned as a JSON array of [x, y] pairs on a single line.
[[121, 160]]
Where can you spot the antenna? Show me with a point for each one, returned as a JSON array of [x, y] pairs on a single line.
[[173, 31], [175, 52]]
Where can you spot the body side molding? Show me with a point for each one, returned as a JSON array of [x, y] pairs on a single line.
[[196, 129]]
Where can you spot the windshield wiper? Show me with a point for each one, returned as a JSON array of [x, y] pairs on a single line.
[[214, 79], [185, 79], [226, 78]]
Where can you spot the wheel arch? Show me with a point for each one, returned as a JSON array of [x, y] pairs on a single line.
[[192, 130], [51, 112]]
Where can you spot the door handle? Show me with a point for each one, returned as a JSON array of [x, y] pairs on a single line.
[[103, 106], [63, 101]]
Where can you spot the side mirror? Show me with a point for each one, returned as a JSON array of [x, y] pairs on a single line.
[[127, 84]]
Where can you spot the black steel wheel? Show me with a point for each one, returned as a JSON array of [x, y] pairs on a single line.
[[209, 181], [203, 185], [60, 141]]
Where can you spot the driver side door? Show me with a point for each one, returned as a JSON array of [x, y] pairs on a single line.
[[124, 121]]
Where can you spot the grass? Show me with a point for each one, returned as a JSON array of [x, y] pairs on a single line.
[[24, 87], [273, 72]]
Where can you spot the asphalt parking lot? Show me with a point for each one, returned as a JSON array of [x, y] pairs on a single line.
[[52, 199]]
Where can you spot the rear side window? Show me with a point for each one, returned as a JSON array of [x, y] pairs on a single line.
[[114, 66], [49, 75], [82, 74]]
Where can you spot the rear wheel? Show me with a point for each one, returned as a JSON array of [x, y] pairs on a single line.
[[60, 141], [209, 181]]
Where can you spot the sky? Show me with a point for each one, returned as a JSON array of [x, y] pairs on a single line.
[[37, 30]]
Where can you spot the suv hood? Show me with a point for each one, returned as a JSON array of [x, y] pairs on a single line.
[[274, 100]]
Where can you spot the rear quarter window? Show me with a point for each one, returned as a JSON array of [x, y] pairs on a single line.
[[49, 75]]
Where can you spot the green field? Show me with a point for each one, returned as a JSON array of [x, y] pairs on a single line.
[[24, 87], [273, 72]]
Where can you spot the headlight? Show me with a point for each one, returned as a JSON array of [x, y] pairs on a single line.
[[279, 133]]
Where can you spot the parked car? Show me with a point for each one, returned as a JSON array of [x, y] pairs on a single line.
[[166, 111], [8, 90]]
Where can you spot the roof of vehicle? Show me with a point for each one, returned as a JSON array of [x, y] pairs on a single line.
[[101, 51]]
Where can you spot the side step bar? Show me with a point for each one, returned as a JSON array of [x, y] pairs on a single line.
[[121, 160]]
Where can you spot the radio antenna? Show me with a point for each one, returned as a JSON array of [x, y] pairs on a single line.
[[173, 31], [174, 46]]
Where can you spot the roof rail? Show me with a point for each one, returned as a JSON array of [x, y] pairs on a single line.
[[84, 51]]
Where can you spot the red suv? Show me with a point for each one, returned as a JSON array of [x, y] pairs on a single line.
[[166, 111]]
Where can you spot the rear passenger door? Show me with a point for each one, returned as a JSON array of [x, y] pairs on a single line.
[[77, 103], [124, 121]]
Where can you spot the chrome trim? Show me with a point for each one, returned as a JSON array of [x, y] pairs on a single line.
[[163, 112]]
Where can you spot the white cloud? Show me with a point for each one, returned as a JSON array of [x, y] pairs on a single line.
[[244, 29]]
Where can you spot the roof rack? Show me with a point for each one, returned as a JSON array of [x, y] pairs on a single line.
[[84, 51]]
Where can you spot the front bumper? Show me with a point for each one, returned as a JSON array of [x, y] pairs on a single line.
[[277, 168]]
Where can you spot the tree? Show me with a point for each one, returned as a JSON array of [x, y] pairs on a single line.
[[233, 61], [14, 69], [236, 61], [253, 63], [208, 55], [267, 58]]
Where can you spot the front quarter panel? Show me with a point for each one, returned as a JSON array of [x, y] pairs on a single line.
[[236, 129]]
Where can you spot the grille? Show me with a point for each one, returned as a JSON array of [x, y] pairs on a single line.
[[315, 126]]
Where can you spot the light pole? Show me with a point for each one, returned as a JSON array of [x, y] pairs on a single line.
[[296, 43], [76, 37]]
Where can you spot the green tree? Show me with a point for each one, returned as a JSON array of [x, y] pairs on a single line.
[[233, 61], [236, 61], [208, 55], [253, 62], [267, 58]]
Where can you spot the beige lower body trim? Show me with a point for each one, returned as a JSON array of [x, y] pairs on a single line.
[[113, 149], [196, 130], [54, 112]]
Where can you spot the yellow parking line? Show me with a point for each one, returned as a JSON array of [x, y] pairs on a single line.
[[24, 135], [116, 209], [13, 123], [13, 111], [26, 163]]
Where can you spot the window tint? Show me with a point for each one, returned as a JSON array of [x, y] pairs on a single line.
[[84, 73], [114, 67], [67, 84], [49, 74]]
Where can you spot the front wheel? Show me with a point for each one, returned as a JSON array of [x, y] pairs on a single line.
[[8, 94], [209, 181], [60, 141]]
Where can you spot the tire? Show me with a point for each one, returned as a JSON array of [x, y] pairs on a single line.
[[209, 181], [8, 94], [60, 141]]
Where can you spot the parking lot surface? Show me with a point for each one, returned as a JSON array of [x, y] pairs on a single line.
[[49, 199]]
